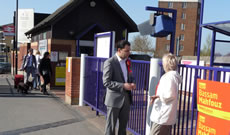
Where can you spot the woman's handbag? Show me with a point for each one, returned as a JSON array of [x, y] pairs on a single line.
[[45, 72]]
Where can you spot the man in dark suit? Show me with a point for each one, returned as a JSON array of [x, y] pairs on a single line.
[[117, 78], [29, 65]]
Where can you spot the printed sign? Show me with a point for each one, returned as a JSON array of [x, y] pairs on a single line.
[[25, 23], [213, 108], [105, 44], [60, 76], [43, 46], [63, 55], [54, 56], [8, 30]]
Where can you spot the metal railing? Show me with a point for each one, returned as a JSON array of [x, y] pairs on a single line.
[[187, 111], [187, 107], [94, 91]]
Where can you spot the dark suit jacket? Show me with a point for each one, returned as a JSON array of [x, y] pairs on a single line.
[[113, 80]]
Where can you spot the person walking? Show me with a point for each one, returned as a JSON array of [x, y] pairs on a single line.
[[45, 71], [29, 65], [118, 79], [164, 111], [37, 80]]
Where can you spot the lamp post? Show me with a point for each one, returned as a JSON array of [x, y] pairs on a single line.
[[16, 39]]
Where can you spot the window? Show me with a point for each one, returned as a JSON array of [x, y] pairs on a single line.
[[182, 37], [170, 5], [182, 26], [181, 48], [2, 47], [183, 16], [44, 35], [184, 4], [33, 38], [167, 47], [168, 37], [170, 15]]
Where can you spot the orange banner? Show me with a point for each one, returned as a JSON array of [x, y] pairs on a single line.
[[213, 102]]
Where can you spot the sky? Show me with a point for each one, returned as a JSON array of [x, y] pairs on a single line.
[[214, 10]]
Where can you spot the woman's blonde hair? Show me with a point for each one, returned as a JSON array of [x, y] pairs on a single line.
[[38, 52], [169, 62]]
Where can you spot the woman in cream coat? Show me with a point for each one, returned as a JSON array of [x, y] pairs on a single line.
[[164, 110]]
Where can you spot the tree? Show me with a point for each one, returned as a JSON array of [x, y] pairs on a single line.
[[206, 50], [142, 44]]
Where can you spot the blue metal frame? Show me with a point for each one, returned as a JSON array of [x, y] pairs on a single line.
[[109, 34], [213, 48], [214, 29], [174, 13], [211, 27], [200, 31], [82, 34]]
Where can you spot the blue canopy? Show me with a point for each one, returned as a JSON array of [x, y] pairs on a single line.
[[221, 27]]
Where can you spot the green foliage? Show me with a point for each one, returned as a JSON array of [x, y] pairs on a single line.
[[206, 50], [142, 44]]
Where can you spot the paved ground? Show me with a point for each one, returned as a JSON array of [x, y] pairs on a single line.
[[37, 114]]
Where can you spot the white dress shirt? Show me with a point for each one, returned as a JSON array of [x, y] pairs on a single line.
[[123, 67]]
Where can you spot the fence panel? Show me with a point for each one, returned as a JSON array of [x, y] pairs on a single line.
[[187, 111], [94, 91]]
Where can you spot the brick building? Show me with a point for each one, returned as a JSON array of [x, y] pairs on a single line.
[[6, 41], [187, 27]]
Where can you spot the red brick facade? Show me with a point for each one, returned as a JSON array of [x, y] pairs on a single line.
[[72, 85], [190, 32]]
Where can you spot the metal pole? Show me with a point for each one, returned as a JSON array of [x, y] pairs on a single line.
[[194, 99], [177, 46], [154, 77], [16, 39], [200, 31], [172, 40], [213, 48], [82, 80]]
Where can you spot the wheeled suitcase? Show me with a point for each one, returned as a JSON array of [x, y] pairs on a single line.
[[17, 79]]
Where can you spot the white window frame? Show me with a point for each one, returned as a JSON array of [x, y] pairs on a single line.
[[181, 48], [184, 4], [44, 35], [182, 37], [167, 47], [168, 37], [182, 26], [183, 15], [170, 4]]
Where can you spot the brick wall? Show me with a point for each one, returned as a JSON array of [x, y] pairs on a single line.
[[72, 81], [191, 29]]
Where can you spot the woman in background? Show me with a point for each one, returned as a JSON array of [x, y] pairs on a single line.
[[45, 71], [37, 80], [164, 110]]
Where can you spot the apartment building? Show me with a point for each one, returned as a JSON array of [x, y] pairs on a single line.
[[187, 27]]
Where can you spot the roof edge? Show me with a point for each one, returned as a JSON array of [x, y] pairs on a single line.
[[180, 1]]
